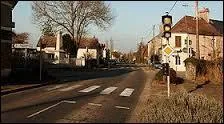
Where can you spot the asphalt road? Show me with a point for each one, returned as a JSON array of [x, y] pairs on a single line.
[[103, 97]]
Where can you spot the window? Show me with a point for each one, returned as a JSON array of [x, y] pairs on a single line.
[[177, 41], [177, 60], [190, 42]]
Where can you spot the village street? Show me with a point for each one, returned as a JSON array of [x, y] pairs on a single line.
[[110, 96]]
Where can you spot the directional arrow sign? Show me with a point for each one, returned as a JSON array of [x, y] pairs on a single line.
[[168, 50]]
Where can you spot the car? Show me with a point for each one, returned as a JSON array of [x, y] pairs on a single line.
[[112, 62], [157, 65]]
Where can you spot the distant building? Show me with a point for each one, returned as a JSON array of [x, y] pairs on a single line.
[[53, 48], [6, 36], [90, 48], [24, 50]]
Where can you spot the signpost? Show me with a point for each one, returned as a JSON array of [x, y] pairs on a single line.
[[167, 50]]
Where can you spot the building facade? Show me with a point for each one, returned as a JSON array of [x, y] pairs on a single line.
[[6, 36], [183, 40]]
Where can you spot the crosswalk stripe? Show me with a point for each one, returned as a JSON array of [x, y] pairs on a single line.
[[127, 92], [108, 90], [70, 88], [91, 88], [56, 87]]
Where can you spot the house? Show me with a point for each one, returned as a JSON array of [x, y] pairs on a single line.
[[183, 39], [24, 50], [6, 36], [90, 48], [155, 47], [52, 48]]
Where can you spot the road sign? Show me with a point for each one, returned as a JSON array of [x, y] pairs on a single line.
[[168, 50]]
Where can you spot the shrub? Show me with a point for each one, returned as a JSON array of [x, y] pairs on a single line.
[[182, 107], [159, 76]]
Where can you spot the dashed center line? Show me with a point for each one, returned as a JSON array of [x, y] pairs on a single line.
[[95, 104], [122, 107]]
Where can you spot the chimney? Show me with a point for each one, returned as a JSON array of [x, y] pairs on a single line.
[[59, 41], [204, 14]]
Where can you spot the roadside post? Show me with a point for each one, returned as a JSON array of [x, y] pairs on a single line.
[[40, 62], [167, 50]]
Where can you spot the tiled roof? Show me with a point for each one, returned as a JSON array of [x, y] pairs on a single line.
[[91, 43], [217, 24], [188, 25], [49, 41]]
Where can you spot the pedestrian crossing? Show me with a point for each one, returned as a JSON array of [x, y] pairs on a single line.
[[108, 90], [126, 92], [89, 89]]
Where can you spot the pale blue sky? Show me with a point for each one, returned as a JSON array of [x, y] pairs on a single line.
[[134, 20]]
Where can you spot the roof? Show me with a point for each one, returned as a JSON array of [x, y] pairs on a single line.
[[157, 36], [217, 24], [49, 41], [90, 43], [188, 25]]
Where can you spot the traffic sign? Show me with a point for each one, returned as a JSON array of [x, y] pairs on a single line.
[[168, 50]]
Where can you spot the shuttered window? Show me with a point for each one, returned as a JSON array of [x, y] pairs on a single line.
[[177, 60], [177, 41]]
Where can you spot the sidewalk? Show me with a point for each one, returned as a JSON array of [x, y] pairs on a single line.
[[146, 93], [12, 88]]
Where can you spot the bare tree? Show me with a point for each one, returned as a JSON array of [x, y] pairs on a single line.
[[73, 17]]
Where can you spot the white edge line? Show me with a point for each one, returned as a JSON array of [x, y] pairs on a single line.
[[44, 110], [121, 107], [95, 104]]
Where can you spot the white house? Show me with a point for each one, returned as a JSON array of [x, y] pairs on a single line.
[[90, 48], [53, 48], [183, 40]]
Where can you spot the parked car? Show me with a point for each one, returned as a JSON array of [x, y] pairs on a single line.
[[112, 62], [157, 65]]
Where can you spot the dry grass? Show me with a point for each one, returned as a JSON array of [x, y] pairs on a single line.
[[182, 107]]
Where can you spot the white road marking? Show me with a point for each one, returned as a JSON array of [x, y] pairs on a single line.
[[70, 88], [127, 92], [66, 101], [56, 87], [36, 113], [91, 88], [121, 107], [108, 90], [95, 104]]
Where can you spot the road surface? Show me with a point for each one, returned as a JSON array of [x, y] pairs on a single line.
[[104, 97]]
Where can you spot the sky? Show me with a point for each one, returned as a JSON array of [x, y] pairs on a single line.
[[133, 23]]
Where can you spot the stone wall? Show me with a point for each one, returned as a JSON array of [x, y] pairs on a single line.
[[190, 71]]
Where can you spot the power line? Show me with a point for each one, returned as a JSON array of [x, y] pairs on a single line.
[[172, 7]]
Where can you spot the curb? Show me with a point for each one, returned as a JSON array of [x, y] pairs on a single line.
[[25, 88]]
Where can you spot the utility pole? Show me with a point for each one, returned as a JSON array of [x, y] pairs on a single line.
[[197, 36], [153, 41], [40, 61]]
